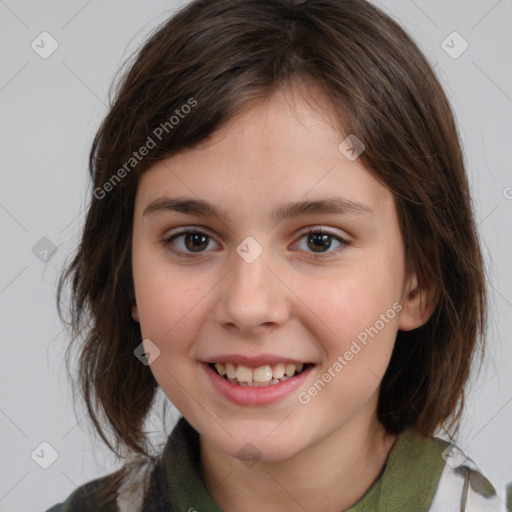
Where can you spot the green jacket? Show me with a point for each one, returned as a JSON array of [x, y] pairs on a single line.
[[419, 476]]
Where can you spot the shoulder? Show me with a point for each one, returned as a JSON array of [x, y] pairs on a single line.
[[141, 484], [97, 495], [430, 474], [463, 487]]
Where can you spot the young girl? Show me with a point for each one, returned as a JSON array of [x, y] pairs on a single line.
[[281, 238]]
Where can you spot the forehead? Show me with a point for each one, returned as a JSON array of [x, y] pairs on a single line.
[[276, 151]]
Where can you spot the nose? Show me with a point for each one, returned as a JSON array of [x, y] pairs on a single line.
[[253, 297]]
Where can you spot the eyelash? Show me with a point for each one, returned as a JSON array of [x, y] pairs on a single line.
[[167, 242]]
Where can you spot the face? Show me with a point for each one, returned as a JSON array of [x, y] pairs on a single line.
[[300, 310]]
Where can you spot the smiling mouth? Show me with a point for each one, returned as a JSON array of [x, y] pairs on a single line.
[[262, 376]]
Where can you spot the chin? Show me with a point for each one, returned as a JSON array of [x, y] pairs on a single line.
[[256, 445], [263, 450]]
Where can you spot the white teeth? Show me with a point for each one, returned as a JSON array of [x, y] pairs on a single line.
[[243, 374], [278, 371], [289, 369], [220, 369], [231, 370], [258, 377], [262, 374], [253, 384]]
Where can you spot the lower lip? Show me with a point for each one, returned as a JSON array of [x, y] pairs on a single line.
[[245, 395]]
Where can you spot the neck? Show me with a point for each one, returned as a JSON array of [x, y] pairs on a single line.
[[331, 475]]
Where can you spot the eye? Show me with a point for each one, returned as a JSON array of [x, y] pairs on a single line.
[[319, 241], [190, 241]]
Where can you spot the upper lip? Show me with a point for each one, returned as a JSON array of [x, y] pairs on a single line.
[[253, 361]]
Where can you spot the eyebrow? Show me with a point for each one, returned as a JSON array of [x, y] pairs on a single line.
[[199, 207]]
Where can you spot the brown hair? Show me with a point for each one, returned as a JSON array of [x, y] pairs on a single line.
[[374, 79]]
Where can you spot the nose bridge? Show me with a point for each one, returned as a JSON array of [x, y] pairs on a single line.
[[252, 294], [250, 274]]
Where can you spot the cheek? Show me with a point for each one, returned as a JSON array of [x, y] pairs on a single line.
[[167, 304], [165, 297], [355, 325], [354, 318], [345, 304]]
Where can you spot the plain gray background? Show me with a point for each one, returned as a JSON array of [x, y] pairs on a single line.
[[49, 111]]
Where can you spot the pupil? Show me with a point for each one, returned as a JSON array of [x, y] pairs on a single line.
[[320, 238], [198, 240]]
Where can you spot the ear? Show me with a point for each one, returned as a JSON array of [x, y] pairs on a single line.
[[418, 304], [135, 312]]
